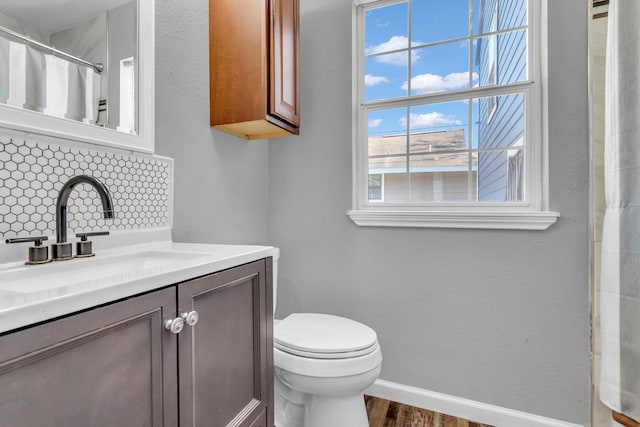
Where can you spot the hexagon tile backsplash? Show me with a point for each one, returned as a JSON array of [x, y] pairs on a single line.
[[32, 173]]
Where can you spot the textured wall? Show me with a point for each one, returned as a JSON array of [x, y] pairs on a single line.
[[598, 38], [220, 180], [500, 317]]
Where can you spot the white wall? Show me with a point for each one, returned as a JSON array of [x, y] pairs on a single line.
[[220, 180], [500, 317]]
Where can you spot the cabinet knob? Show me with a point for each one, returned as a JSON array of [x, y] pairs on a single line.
[[191, 318], [174, 325]]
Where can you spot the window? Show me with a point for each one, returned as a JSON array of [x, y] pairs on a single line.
[[376, 187], [444, 90], [492, 60]]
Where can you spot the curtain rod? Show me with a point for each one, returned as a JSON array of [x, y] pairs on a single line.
[[98, 67]]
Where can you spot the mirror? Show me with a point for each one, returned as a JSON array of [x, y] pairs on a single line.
[[78, 69]]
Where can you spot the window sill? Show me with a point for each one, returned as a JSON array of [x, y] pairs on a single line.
[[496, 220]]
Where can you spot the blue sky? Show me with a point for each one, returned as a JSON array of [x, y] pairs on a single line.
[[440, 61], [441, 67]]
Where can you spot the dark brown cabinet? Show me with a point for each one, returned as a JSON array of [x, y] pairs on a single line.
[[254, 67], [117, 365], [226, 360], [110, 366]]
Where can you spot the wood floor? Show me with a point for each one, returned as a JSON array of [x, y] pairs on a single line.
[[384, 413]]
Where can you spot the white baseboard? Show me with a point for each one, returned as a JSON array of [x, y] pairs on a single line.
[[459, 407]]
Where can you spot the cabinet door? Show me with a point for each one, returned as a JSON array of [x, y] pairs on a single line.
[[104, 367], [226, 359], [285, 51]]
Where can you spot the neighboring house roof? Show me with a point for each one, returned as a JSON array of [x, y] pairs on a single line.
[[430, 151]]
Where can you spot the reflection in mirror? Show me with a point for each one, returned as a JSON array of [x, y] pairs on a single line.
[[73, 61]]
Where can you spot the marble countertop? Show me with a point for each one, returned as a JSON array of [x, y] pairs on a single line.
[[32, 294]]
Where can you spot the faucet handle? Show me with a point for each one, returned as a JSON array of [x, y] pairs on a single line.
[[37, 239], [83, 236], [83, 247], [38, 254]]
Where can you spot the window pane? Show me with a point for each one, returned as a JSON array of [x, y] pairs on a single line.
[[485, 64], [512, 57], [385, 76], [386, 29], [498, 15], [499, 121], [501, 59], [387, 147], [501, 175], [439, 127], [440, 68], [387, 132], [375, 187], [393, 172], [434, 21], [439, 177], [512, 14], [474, 176], [485, 16]]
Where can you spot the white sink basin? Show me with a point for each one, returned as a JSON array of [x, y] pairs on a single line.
[[93, 271], [36, 293]]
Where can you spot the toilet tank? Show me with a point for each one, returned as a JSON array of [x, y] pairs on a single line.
[[276, 256]]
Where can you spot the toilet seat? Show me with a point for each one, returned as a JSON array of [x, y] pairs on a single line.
[[340, 355], [323, 336], [326, 368]]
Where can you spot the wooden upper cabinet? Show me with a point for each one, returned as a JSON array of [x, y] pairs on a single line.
[[254, 67]]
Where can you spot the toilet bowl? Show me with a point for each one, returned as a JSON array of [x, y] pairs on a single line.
[[323, 364]]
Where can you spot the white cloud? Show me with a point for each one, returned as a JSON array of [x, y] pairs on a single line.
[[374, 123], [371, 80], [394, 43], [427, 83], [429, 120]]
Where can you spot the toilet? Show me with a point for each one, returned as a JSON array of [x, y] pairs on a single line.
[[323, 364]]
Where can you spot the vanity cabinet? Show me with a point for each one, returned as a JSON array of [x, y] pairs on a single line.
[[226, 359], [254, 67], [110, 366], [117, 365]]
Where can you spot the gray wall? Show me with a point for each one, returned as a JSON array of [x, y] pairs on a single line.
[[495, 316], [220, 181]]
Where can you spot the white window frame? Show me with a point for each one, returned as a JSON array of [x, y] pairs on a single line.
[[532, 214]]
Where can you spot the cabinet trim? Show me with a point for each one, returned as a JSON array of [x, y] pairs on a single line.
[[285, 59]]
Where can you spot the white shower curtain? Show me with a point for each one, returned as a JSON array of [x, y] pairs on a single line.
[[17, 74], [57, 87], [46, 83], [620, 278]]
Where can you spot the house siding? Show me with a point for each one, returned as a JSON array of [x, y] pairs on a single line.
[[506, 126]]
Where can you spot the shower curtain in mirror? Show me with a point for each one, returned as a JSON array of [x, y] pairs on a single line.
[[620, 277], [38, 81]]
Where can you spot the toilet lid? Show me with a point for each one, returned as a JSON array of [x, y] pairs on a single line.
[[323, 336]]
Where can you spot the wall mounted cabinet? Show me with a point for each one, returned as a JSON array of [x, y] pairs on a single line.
[[118, 365], [254, 67]]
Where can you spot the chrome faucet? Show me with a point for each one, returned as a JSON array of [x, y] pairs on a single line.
[[62, 250]]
